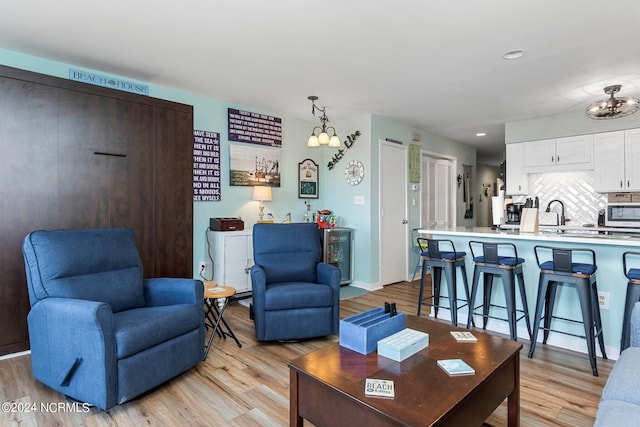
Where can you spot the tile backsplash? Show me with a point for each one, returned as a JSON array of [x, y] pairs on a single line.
[[575, 189]]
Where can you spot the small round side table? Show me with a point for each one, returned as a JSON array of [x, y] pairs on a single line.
[[216, 299]]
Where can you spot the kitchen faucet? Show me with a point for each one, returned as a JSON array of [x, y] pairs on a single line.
[[562, 218]]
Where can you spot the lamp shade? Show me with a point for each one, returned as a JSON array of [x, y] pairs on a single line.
[[261, 193]]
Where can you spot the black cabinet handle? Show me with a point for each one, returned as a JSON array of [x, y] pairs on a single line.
[[102, 153]]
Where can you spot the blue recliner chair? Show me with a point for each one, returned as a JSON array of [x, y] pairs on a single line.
[[99, 332], [295, 295]]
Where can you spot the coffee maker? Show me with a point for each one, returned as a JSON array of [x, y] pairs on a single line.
[[514, 213]]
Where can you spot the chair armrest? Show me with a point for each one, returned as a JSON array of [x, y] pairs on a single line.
[[328, 274], [170, 291], [73, 348], [258, 287], [635, 325]]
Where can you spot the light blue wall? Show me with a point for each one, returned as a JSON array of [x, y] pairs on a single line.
[[210, 114], [382, 128]]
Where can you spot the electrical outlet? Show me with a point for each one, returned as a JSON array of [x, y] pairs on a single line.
[[603, 300]]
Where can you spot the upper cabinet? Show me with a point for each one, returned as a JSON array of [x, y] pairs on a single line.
[[617, 161], [560, 154], [517, 180]]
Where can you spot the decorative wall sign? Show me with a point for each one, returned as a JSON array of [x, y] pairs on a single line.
[[107, 81], [250, 165], [206, 166], [414, 163], [254, 128], [308, 179], [351, 139]]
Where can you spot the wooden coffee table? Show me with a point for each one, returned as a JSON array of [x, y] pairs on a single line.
[[327, 385]]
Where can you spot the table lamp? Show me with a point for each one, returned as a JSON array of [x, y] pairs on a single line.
[[262, 194]]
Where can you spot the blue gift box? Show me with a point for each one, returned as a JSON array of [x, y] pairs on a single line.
[[362, 332]]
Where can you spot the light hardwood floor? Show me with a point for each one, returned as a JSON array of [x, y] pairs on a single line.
[[249, 386]]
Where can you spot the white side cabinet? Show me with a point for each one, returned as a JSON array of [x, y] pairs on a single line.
[[232, 255], [517, 180], [617, 161]]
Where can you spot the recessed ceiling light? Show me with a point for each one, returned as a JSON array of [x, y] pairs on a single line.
[[481, 134], [513, 54]]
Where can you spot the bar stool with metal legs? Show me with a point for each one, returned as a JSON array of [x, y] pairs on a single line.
[[438, 260], [633, 294], [499, 259], [562, 269]]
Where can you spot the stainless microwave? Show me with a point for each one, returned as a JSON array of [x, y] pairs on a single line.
[[623, 215]]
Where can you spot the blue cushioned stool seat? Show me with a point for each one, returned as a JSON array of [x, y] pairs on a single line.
[[441, 256], [634, 273], [564, 269], [500, 260], [448, 255], [576, 267]]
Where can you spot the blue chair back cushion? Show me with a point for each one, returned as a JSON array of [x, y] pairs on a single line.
[[576, 267], [292, 256], [107, 267]]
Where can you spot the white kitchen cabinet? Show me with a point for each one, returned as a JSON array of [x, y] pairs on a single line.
[[560, 154], [632, 159], [232, 255], [540, 153], [517, 179], [617, 161]]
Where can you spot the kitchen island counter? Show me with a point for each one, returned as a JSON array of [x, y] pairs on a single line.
[[610, 277], [548, 235]]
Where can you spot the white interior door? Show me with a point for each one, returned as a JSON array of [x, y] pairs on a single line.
[[393, 213], [437, 192]]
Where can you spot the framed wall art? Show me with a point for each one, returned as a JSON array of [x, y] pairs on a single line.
[[307, 179]]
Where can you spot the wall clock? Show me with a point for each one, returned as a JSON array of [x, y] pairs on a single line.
[[354, 172]]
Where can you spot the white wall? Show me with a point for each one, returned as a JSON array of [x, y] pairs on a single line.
[[567, 124]]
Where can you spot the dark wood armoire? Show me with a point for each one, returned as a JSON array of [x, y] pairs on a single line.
[[74, 155]]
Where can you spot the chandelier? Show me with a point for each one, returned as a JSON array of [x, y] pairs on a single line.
[[612, 108], [322, 138]]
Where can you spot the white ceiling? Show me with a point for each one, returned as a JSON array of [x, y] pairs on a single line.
[[433, 64]]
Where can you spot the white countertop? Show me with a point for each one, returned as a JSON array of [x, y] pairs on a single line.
[[583, 235]]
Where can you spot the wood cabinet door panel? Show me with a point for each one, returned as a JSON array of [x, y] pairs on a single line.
[[106, 163], [27, 193], [173, 189]]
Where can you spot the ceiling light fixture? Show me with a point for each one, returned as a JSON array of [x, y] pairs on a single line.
[[323, 137], [612, 108], [481, 134], [513, 54]]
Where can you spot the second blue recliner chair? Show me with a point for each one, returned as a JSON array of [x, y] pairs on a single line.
[[295, 295]]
